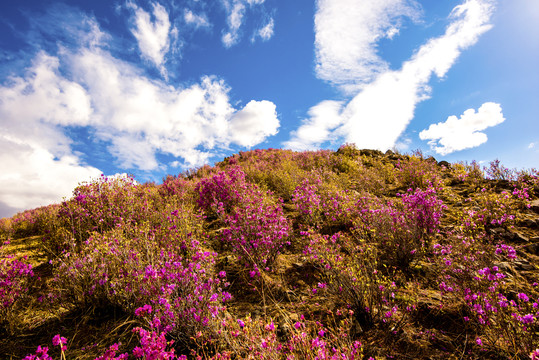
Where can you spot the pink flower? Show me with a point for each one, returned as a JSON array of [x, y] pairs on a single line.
[[58, 340]]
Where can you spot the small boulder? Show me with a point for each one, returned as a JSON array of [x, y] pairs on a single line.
[[535, 206], [445, 164], [530, 223]]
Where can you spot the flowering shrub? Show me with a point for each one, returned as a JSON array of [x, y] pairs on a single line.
[[257, 233], [14, 276], [181, 294], [153, 346], [487, 210], [496, 171], [423, 209], [222, 192], [256, 227], [466, 272], [5, 229], [253, 339], [471, 174], [402, 231], [104, 204], [319, 204], [416, 172], [33, 222], [353, 274]]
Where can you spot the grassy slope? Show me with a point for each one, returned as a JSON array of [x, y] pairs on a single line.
[[434, 329]]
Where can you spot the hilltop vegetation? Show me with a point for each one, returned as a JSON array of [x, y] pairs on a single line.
[[274, 254]]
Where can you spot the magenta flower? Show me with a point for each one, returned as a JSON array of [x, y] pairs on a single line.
[[270, 326], [58, 340]]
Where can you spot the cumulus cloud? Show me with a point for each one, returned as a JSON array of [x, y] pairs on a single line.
[[465, 132], [43, 97], [152, 36], [254, 123], [140, 116], [137, 116], [347, 32], [33, 176], [38, 167], [197, 20], [379, 113]]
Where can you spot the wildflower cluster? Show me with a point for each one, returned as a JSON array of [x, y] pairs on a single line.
[[256, 227], [14, 276]]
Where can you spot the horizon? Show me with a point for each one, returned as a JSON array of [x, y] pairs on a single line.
[[155, 88]]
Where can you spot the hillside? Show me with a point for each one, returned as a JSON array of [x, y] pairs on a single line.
[[274, 254]]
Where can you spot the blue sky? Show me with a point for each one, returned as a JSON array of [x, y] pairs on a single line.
[[155, 87]]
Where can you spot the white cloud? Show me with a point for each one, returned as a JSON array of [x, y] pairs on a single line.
[[379, 113], [136, 115], [254, 123], [403, 145], [152, 36], [317, 128], [140, 116], [346, 35], [198, 21], [32, 176], [235, 10], [465, 132], [43, 98], [265, 33], [532, 145], [38, 167]]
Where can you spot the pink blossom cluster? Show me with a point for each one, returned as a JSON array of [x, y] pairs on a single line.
[[14, 276], [256, 229]]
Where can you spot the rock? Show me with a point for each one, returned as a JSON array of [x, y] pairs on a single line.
[[505, 266], [506, 234], [371, 152], [445, 164], [523, 264], [531, 223], [283, 330], [516, 236], [431, 159], [497, 231], [533, 248], [535, 206]]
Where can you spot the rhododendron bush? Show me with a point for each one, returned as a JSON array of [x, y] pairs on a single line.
[[275, 254]]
